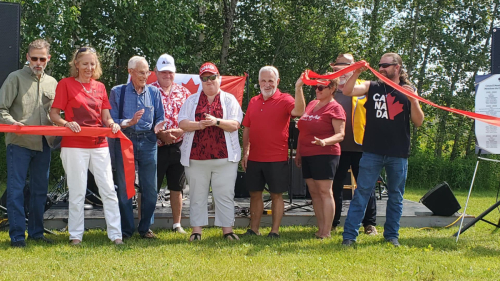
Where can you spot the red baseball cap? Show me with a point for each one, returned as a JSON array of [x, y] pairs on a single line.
[[209, 67]]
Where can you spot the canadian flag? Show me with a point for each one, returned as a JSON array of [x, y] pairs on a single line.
[[234, 85]]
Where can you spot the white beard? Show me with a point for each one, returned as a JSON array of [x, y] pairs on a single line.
[[267, 94], [343, 79]]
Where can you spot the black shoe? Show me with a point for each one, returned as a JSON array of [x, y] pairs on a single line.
[[251, 233], [18, 244], [41, 239], [394, 242], [348, 243], [273, 235]]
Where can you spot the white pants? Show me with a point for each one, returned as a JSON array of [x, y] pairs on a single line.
[[221, 175], [76, 163]]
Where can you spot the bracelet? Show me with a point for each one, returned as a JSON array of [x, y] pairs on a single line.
[[65, 124], [109, 126]]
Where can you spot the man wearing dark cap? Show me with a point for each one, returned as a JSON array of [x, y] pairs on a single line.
[[351, 145]]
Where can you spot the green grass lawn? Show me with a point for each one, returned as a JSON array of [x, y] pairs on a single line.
[[425, 255]]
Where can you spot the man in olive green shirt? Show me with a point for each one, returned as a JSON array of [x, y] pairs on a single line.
[[25, 99]]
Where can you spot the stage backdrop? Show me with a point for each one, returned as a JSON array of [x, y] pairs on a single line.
[[234, 85]]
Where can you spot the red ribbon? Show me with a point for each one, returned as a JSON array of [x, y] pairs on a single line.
[[126, 144], [309, 75]]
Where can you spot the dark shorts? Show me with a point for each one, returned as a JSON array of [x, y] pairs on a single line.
[[169, 164], [275, 174], [320, 167]]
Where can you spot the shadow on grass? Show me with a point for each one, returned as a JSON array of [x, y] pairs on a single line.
[[293, 240]]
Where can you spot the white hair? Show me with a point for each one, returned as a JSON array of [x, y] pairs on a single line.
[[270, 69], [132, 62]]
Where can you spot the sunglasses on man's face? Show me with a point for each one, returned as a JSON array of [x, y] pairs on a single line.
[[211, 77], [35, 59], [385, 65], [320, 87]]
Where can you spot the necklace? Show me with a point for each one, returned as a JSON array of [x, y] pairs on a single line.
[[85, 89], [386, 90]]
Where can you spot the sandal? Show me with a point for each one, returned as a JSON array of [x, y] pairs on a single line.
[[195, 237], [250, 232], [148, 235], [231, 236], [273, 235]]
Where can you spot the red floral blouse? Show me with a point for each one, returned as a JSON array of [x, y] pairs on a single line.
[[209, 143]]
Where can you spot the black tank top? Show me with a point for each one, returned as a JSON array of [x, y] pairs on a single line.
[[387, 129]]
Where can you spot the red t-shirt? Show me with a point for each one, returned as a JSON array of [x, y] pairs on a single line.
[[209, 143], [83, 108], [268, 122], [319, 124]]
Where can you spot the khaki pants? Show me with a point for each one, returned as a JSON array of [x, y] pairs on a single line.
[[221, 175]]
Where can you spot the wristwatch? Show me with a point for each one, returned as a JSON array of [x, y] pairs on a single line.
[[218, 122]]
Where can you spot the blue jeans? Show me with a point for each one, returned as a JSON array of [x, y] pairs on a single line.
[[20, 160], [370, 167], [145, 155]]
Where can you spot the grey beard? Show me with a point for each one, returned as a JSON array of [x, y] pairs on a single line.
[[38, 72]]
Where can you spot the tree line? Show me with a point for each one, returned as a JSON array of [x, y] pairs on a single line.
[[443, 43]]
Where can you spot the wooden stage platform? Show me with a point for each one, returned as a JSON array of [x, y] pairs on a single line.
[[414, 215]]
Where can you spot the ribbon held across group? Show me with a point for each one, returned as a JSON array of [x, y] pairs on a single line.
[[126, 144], [311, 78]]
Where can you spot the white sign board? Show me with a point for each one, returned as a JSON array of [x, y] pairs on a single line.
[[488, 102]]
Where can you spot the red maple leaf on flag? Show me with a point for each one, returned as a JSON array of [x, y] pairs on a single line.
[[394, 108], [191, 86]]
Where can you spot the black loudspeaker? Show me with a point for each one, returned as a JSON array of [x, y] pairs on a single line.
[[10, 21], [299, 187], [495, 51], [240, 190], [440, 200], [293, 135]]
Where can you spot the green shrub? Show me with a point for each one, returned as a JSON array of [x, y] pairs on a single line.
[[426, 171]]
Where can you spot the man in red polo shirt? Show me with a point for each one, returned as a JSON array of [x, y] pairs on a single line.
[[265, 147]]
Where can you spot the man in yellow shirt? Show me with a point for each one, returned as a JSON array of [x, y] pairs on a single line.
[[351, 146]]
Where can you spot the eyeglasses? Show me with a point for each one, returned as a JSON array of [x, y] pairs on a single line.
[[85, 49], [34, 59], [320, 87], [385, 65], [211, 77], [143, 73]]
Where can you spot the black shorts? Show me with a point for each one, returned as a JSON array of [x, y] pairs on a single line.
[[275, 174], [169, 164], [320, 167]]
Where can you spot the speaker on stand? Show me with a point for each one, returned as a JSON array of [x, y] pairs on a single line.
[[10, 22], [495, 51]]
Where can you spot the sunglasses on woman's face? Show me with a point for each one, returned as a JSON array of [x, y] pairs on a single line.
[[211, 77], [35, 59], [84, 49], [385, 65], [320, 87]]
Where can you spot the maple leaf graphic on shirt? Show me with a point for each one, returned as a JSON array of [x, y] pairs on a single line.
[[191, 86], [394, 108]]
